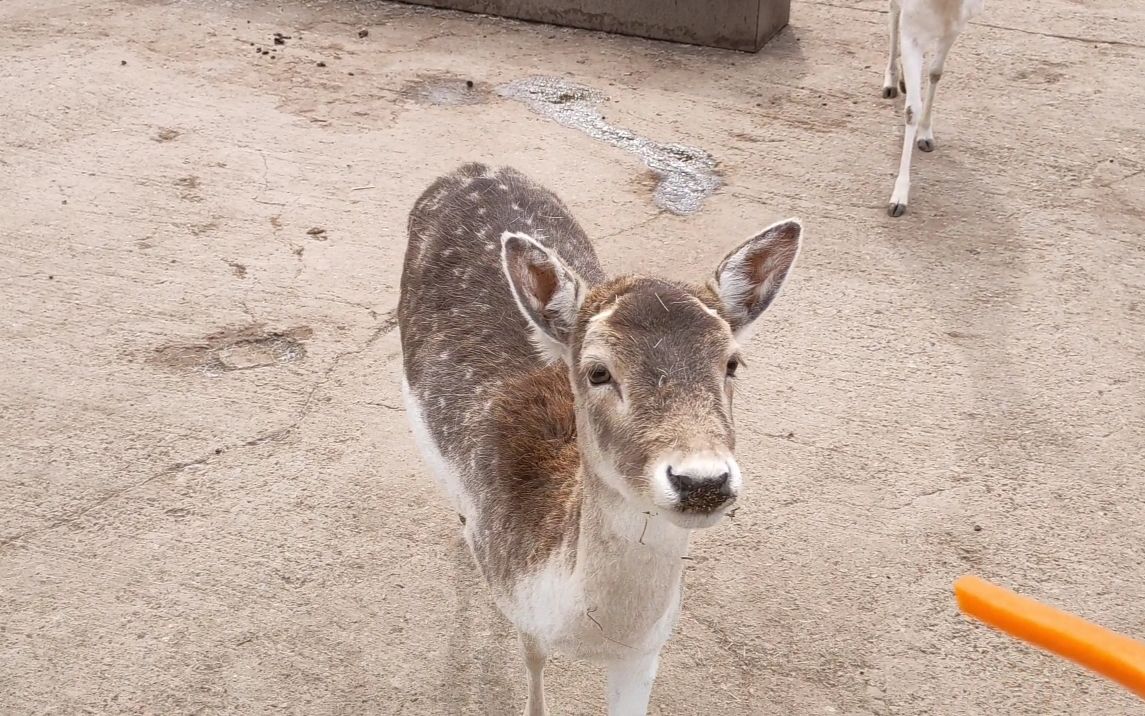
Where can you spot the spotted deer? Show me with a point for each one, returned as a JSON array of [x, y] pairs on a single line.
[[918, 27], [581, 425]]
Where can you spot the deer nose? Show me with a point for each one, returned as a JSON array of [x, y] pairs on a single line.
[[702, 493]]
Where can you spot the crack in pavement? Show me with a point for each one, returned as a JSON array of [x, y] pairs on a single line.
[[638, 225], [388, 323], [1056, 36], [70, 518], [1127, 177]]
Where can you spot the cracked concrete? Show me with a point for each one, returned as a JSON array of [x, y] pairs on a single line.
[[955, 391], [384, 327]]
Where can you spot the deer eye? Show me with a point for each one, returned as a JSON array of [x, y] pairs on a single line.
[[599, 375], [733, 366]]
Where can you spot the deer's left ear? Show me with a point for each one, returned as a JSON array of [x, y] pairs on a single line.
[[750, 277]]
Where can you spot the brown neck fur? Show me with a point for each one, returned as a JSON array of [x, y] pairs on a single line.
[[533, 435]]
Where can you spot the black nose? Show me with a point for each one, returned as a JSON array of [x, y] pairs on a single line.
[[702, 494]]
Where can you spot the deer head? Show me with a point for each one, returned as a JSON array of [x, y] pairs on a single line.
[[653, 365]]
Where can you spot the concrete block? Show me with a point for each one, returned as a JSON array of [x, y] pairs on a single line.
[[729, 24]]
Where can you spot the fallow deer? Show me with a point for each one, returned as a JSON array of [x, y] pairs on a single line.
[[918, 27], [581, 425]]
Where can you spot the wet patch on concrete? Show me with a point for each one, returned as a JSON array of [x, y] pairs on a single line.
[[234, 349], [445, 90], [687, 175]]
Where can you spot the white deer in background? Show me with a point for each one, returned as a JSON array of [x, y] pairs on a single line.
[[918, 27]]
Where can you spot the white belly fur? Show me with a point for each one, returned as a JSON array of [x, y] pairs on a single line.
[[553, 605], [447, 476]]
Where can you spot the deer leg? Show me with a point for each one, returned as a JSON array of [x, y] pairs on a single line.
[[890, 77], [535, 658], [925, 130], [912, 75], [630, 685]]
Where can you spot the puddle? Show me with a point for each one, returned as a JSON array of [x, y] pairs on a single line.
[[686, 175], [445, 91], [236, 349]]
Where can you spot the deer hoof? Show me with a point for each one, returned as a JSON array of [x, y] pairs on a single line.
[[926, 145], [890, 92], [896, 210]]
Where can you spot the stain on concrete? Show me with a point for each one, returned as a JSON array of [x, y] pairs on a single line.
[[202, 229], [445, 90], [744, 137], [234, 349], [190, 188], [238, 269], [687, 175]]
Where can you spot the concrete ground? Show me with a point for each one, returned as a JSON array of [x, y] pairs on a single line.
[[209, 500]]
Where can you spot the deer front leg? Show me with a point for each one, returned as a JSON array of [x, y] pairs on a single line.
[[925, 129], [890, 77], [535, 658], [912, 74], [630, 685]]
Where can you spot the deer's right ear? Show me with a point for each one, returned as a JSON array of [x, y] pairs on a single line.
[[547, 291]]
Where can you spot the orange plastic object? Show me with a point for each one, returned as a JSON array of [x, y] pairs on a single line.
[[1110, 654]]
